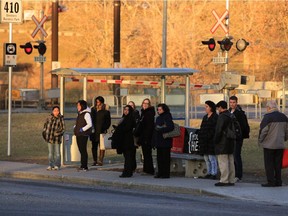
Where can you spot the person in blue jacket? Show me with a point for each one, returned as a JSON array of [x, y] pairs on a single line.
[[163, 124]]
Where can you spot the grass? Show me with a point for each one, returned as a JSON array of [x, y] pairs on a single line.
[[27, 144]]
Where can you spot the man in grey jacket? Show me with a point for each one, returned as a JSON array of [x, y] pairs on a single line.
[[272, 135]]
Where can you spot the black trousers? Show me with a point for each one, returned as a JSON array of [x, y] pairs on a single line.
[[95, 150], [163, 162], [273, 165], [82, 146], [238, 159], [129, 162], [148, 166]]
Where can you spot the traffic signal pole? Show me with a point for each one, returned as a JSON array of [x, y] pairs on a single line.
[[226, 93]]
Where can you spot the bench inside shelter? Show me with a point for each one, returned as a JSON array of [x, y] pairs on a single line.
[[183, 159]]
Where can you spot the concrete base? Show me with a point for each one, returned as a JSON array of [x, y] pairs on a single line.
[[195, 168]]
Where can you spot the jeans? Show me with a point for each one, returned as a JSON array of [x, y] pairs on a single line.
[[54, 155], [211, 163]]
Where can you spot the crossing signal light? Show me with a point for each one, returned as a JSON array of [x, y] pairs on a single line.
[[241, 45], [27, 48], [211, 44], [225, 44], [41, 48]]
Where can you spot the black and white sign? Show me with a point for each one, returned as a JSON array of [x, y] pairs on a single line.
[[10, 56], [11, 11]]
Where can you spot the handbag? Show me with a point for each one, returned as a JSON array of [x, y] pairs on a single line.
[[174, 133], [105, 141], [285, 158], [138, 128]]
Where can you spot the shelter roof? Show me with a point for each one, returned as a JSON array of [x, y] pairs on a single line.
[[66, 72]]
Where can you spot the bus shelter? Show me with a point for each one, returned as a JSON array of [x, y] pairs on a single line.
[[91, 72]]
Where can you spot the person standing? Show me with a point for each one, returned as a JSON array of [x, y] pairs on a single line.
[[53, 131], [145, 136], [206, 139], [272, 135], [82, 131], [164, 124], [240, 115], [224, 147], [136, 116], [125, 140], [101, 119]]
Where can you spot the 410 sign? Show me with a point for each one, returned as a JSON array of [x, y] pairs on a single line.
[[11, 11]]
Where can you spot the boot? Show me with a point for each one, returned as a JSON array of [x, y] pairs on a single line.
[[101, 157]]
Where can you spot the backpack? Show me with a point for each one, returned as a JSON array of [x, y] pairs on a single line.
[[233, 131]]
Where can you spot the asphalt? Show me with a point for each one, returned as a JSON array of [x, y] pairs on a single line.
[[108, 175]]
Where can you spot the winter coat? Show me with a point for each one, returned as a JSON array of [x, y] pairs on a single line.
[[83, 123], [223, 145], [101, 121], [273, 130], [242, 119], [206, 134], [123, 135], [163, 124], [54, 128], [146, 134]]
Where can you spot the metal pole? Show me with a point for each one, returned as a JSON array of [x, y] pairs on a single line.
[[54, 78], [41, 104], [164, 47], [284, 96], [116, 51], [187, 88], [226, 96], [9, 96]]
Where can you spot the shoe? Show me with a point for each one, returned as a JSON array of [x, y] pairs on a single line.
[[49, 168], [236, 179], [94, 164], [165, 177], [56, 168], [125, 176], [208, 176], [213, 177], [82, 169], [231, 184], [278, 185], [268, 185], [222, 184]]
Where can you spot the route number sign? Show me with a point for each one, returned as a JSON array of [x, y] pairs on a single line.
[[11, 11]]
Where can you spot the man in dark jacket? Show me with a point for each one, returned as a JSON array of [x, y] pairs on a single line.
[[224, 147], [272, 135], [245, 129]]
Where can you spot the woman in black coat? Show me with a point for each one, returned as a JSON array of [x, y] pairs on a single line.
[[206, 139], [145, 136], [164, 124], [126, 140]]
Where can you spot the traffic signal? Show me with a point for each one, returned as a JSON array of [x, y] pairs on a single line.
[[27, 48], [211, 44], [41, 48], [225, 44], [241, 45]]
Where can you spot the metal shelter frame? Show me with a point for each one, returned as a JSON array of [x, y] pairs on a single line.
[[162, 72]]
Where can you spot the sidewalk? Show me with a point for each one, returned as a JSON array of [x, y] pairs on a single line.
[[109, 176]]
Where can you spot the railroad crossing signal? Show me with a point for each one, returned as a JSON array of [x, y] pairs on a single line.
[[219, 22], [211, 44]]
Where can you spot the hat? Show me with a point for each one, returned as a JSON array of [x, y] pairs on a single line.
[[100, 98]]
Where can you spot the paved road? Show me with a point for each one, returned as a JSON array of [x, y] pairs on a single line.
[[34, 198]]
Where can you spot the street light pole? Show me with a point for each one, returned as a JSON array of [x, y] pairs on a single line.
[[164, 47]]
